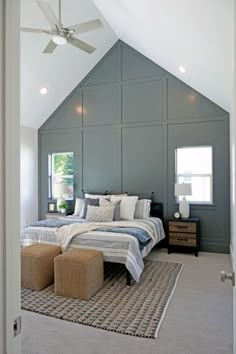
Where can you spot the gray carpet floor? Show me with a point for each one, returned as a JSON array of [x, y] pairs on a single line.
[[198, 319]]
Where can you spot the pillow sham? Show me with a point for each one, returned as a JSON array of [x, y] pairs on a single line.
[[79, 204], [87, 202], [117, 195], [142, 209], [148, 195], [106, 203], [127, 206], [97, 196], [99, 214]]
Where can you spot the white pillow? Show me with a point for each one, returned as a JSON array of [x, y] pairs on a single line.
[[127, 206], [99, 214], [117, 195], [142, 209], [98, 196], [79, 203]]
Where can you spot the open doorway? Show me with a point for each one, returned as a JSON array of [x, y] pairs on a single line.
[[45, 332]]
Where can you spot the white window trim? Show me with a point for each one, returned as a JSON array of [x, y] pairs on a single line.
[[211, 202], [51, 175]]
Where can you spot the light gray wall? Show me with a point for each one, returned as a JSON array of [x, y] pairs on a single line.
[[124, 122], [28, 175]]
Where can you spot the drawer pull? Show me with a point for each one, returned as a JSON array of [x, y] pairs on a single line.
[[182, 227], [182, 239]]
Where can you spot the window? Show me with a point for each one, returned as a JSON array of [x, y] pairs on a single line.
[[194, 165], [61, 170]]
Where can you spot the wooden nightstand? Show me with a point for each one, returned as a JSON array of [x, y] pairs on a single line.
[[183, 233], [54, 215]]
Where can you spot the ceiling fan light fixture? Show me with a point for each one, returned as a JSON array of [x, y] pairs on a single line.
[[59, 39], [61, 35]]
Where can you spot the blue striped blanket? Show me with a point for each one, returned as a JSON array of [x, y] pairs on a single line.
[[142, 236]]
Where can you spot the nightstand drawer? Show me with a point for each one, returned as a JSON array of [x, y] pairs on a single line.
[[182, 235], [180, 240], [188, 227]]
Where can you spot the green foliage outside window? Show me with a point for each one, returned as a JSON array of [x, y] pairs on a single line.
[[63, 164], [61, 170]]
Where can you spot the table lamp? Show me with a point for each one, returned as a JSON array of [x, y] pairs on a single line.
[[183, 189], [58, 190]]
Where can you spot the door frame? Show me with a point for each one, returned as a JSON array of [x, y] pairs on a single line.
[[9, 175], [233, 169]]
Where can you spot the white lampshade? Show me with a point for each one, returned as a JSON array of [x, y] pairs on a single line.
[[182, 189], [60, 189]]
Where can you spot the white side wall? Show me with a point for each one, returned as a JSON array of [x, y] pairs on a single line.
[[29, 175]]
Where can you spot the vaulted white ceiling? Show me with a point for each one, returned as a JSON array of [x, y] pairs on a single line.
[[197, 35]]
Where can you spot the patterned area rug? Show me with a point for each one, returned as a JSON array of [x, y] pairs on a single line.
[[136, 310]]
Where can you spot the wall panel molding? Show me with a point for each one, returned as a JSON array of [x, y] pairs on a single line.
[[137, 114]]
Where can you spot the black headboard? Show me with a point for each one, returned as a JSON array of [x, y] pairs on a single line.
[[157, 210]]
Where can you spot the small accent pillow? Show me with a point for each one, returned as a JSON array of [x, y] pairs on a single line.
[[105, 203], [87, 202], [99, 214], [142, 209], [79, 204], [97, 196], [127, 206]]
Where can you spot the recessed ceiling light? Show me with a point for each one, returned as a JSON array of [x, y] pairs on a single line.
[[43, 90], [182, 69]]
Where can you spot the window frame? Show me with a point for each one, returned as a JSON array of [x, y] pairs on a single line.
[[50, 173], [211, 202]]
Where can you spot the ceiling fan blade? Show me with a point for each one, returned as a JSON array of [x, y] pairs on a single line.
[[48, 13], [81, 45], [50, 48], [34, 30], [86, 26]]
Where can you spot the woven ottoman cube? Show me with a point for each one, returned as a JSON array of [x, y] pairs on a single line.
[[78, 273], [37, 265]]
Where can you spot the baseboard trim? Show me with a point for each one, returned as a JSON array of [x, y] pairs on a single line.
[[214, 247]]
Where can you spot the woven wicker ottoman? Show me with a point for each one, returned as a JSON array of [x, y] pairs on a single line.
[[78, 273], [37, 265]]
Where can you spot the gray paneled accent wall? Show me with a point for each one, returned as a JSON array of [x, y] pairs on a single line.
[[124, 122]]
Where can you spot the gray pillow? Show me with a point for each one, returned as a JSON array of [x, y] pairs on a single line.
[[89, 201], [116, 215], [116, 205]]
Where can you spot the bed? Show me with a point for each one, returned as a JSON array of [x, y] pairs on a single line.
[[118, 246]]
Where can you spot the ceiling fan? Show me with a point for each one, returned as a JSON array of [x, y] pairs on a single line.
[[61, 35]]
